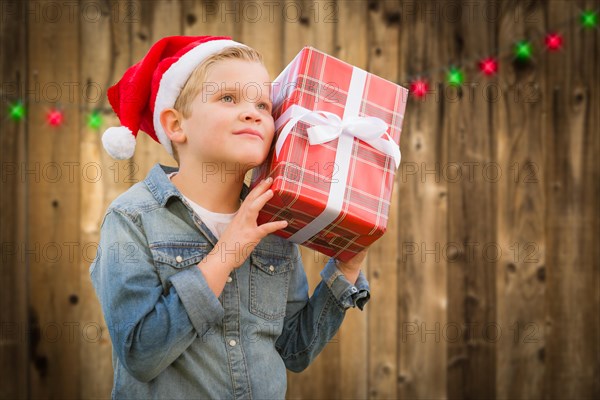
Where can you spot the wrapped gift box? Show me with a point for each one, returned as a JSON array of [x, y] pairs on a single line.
[[334, 154]]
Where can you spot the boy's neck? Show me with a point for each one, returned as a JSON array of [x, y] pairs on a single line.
[[218, 192]]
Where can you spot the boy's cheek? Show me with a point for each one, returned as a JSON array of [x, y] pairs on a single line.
[[268, 145], [270, 131]]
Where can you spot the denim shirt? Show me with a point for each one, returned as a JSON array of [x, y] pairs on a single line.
[[172, 337]]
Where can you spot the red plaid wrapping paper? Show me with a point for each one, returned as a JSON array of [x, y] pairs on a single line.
[[303, 173]]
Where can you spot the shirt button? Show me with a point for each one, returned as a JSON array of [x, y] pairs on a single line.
[[354, 290], [232, 342], [229, 279], [271, 268], [179, 259]]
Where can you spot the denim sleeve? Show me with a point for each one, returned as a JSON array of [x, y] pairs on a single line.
[[310, 323], [347, 294], [148, 328]]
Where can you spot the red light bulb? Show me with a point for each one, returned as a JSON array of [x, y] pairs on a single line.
[[419, 87], [54, 117], [553, 41], [489, 66]]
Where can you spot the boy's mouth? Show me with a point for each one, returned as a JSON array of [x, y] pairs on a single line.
[[248, 131]]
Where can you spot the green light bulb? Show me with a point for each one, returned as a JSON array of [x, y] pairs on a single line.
[[17, 111], [523, 50], [455, 77], [94, 120], [589, 19]]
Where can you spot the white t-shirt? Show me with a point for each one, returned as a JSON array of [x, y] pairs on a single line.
[[216, 222]]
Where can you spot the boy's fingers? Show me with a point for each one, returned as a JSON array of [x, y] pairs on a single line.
[[260, 202], [271, 227], [259, 189]]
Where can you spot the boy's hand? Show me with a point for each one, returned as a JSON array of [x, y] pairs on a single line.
[[243, 234], [351, 268]]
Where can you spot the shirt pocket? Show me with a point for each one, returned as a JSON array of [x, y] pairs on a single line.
[[173, 257], [269, 281]]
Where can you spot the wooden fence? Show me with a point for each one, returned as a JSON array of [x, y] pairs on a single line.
[[486, 284]]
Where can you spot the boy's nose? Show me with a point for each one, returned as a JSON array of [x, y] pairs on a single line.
[[250, 114]]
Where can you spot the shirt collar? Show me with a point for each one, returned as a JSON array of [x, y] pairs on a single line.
[[162, 188]]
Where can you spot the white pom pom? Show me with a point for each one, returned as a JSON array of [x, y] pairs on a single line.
[[119, 142]]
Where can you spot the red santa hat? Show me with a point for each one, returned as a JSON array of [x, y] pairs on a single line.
[[152, 85]]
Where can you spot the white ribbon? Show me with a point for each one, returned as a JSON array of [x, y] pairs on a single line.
[[327, 126]]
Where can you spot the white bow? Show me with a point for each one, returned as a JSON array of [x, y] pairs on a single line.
[[327, 126]]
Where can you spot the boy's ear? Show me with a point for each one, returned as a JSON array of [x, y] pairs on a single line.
[[170, 119]]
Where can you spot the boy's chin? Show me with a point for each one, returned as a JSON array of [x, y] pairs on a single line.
[[253, 160], [250, 164]]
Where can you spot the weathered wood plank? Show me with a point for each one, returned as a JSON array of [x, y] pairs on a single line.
[[208, 18], [573, 214], [471, 216], [261, 27], [14, 354], [521, 202], [53, 201], [422, 277]]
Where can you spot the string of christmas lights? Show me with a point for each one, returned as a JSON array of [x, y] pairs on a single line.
[[55, 116], [522, 51]]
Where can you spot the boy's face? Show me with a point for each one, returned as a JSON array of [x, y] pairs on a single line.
[[230, 122]]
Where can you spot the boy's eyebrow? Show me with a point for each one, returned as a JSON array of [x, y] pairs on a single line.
[[238, 88], [229, 88]]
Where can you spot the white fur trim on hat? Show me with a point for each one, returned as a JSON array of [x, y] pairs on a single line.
[[176, 76], [119, 142]]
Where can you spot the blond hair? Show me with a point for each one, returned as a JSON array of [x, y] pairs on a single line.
[[193, 86]]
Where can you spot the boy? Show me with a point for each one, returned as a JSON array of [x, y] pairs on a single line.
[[200, 302]]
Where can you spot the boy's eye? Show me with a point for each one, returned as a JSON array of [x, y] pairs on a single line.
[[264, 106], [227, 98]]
